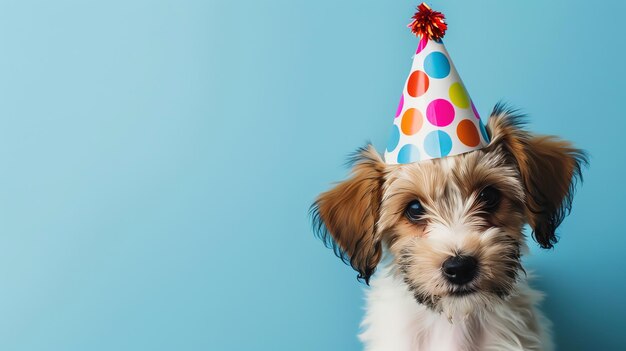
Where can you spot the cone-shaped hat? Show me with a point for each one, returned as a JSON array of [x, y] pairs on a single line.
[[436, 116]]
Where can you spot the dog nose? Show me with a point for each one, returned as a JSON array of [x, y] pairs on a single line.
[[460, 269]]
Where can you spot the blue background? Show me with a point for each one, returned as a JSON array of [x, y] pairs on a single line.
[[158, 159]]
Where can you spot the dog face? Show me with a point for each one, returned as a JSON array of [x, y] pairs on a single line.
[[454, 226]]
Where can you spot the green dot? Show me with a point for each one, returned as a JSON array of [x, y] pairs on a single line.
[[458, 95]]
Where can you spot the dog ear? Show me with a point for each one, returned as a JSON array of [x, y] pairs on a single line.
[[549, 168], [349, 213]]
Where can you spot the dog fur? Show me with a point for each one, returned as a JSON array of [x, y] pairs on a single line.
[[410, 305]]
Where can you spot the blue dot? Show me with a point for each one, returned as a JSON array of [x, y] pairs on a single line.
[[438, 144], [483, 131], [393, 139], [409, 153], [437, 65]]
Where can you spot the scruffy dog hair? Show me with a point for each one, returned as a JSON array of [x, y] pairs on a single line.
[[447, 238]]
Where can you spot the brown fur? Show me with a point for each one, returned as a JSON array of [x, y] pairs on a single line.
[[535, 175], [549, 168], [350, 212], [456, 224]]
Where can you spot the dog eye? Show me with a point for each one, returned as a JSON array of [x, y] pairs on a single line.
[[490, 197], [414, 211]]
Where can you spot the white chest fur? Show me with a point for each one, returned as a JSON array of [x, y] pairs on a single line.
[[394, 321]]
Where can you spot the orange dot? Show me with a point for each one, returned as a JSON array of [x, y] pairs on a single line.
[[412, 121], [467, 132], [418, 84]]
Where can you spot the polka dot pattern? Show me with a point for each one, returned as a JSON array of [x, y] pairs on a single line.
[[458, 95], [393, 139], [422, 44], [440, 113], [475, 112], [483, 131], [438, 144], [436, 65], [409, 153], [435, 116], [467, 133], [400, 106], [412, 121], [417, 84]]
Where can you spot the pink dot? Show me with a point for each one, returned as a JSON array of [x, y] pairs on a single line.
[[440, 113], [475, 112], [400, 105], [421, 45]]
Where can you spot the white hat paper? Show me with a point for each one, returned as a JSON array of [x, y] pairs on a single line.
[[436, 117]]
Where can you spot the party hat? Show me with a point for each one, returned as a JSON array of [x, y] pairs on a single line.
[[436, 117]]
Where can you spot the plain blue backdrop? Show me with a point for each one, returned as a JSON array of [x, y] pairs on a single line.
[[158, 159]]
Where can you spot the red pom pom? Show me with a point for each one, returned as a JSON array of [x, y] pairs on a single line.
[[428, 23]]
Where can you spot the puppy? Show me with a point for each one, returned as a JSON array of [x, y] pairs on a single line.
[[447, 236]]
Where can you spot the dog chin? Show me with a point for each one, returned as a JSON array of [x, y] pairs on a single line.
[[464, 303], [462, 292]]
